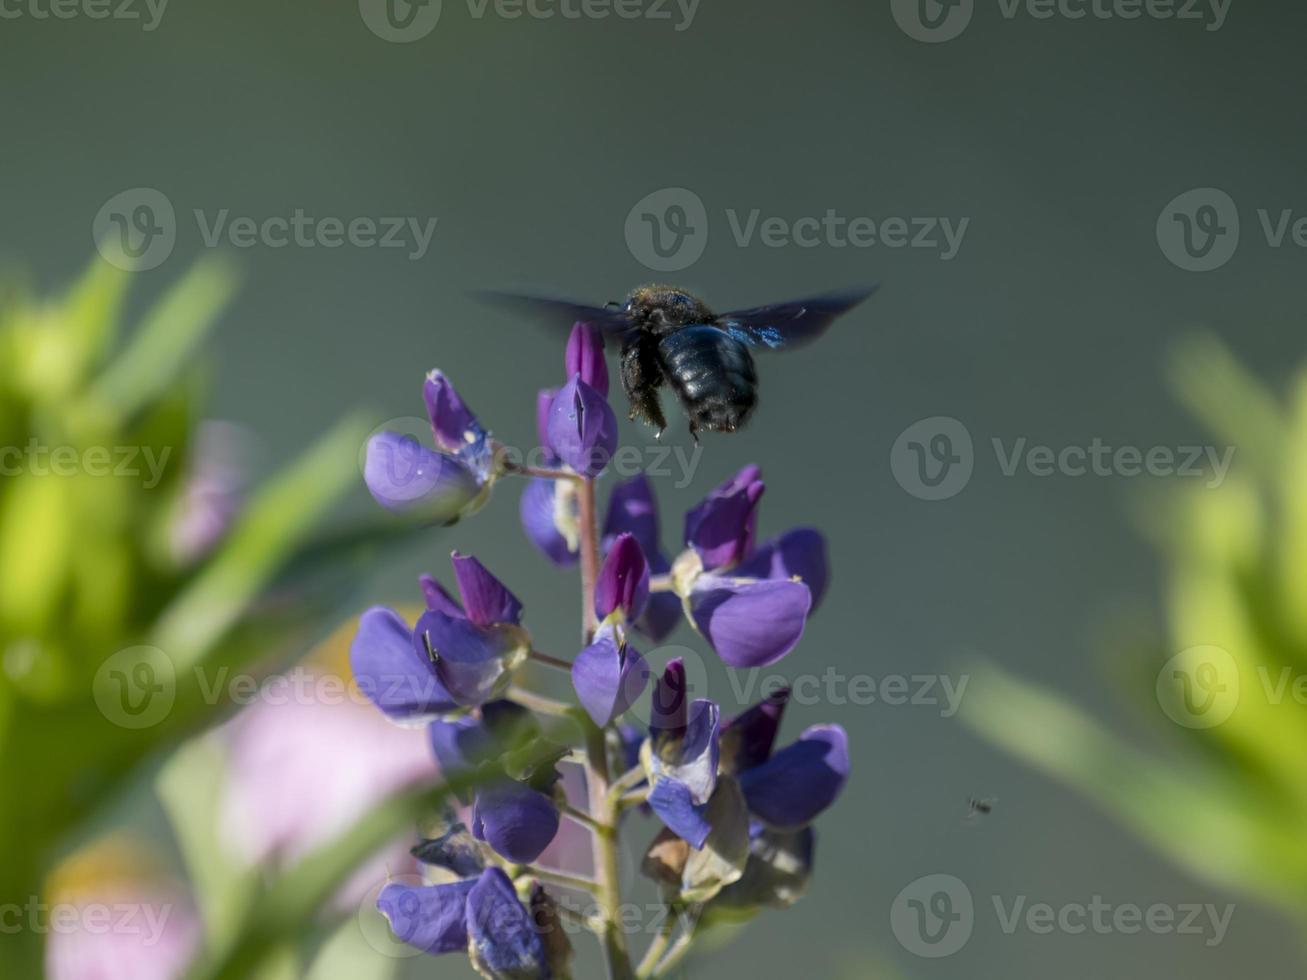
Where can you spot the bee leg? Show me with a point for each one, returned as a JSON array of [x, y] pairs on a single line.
[[694, 431]]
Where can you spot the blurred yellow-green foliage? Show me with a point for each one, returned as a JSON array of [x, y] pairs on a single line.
[[86, 569], [1226, 682]]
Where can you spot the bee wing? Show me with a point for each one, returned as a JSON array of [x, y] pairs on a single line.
[[560, 313], [783, 326]]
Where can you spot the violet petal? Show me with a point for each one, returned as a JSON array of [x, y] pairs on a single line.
[[801, 780], [749, 623]]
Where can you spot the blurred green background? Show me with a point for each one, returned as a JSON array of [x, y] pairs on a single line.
[[531, 141]]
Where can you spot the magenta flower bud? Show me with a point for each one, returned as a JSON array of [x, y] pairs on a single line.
[[624, 579], [582, 428], [585, 356]]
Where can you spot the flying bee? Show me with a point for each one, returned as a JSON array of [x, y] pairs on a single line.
[[668, 336]]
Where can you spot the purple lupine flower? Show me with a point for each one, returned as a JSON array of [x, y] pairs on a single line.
[[681, 756], [582, 428], [517, 817], [473, 647], [785, 790], [609, 675], [632, 510], [441, 485], [585, 357], [483, 917], [623, 581], [549, 510], [750, 603], [393, 673], [721, 528]]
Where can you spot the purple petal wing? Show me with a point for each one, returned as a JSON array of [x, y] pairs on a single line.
[[798, 553], [431, 918], [609, 676], [801, 780], [750, 623], [675, 806], [503, 939], [406, 477], [486, 600], [391, 673], [517, 821], [539, 513]]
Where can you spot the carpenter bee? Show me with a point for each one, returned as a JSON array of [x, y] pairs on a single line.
[[669, 336]]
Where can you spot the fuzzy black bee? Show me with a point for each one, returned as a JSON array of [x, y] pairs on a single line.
[[669, 336]]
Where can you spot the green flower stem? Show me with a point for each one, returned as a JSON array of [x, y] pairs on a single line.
[[657, 947], [541, 472], [562, 879], [548, 661], [628, 780], [677, 952], [633, 798], [602, 812], [540, 703], [581, 817]]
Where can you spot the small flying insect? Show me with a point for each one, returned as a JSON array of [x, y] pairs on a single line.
[[980, 807], [669, 336]]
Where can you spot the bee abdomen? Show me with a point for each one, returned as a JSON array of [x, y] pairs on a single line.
[[712, 374]]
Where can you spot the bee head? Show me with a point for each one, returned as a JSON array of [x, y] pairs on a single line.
[[663, 308]]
